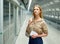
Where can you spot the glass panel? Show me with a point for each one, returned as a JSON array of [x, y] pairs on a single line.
[[5, 14], [11, 13], [5, 21]]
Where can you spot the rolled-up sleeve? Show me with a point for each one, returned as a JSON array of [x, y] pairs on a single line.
[[44, 27], [27, 33]]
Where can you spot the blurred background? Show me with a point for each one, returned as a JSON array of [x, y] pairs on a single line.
[[14, 16]]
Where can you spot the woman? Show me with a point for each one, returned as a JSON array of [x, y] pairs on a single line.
[[38, 25]]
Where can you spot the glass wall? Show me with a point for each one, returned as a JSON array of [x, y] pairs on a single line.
[[10, 22]]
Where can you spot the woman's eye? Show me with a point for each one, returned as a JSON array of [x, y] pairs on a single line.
[[34, 9], [37, 9]]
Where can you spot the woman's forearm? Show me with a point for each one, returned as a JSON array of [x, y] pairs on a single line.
[[42, 35]]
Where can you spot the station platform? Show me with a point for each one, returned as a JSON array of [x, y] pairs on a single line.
[[52, 38]]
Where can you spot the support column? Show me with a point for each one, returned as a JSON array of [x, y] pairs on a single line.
[[17, 23], [1, 21]]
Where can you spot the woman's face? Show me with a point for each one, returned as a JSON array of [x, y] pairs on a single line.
[[37, 10]]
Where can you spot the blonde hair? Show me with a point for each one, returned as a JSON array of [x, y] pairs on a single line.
[[40, 10]]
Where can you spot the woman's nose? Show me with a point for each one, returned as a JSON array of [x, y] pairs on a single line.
[[35, 11]]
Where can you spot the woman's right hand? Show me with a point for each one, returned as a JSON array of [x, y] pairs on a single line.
[[34, 36]]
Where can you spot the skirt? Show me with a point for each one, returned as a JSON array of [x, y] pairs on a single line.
[[37, 40]]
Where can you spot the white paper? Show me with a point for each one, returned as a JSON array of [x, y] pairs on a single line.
[[32, 33]]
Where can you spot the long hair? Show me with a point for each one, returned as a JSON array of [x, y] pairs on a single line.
[[40, 10]]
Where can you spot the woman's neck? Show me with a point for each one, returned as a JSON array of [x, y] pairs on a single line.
[[37, 17]]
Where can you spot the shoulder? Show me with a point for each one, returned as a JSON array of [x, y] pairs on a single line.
[[30, 20], [43, 22]]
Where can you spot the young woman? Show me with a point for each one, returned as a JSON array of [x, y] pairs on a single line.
[[38, 25]]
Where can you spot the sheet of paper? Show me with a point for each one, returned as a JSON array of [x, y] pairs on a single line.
[[32, 33]]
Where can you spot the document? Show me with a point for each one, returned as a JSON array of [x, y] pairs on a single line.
[[33, 32]]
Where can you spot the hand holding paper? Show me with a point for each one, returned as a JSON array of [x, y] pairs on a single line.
[[32, 33]]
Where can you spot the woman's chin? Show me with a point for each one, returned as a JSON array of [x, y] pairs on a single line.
[[36, 14]]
